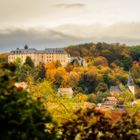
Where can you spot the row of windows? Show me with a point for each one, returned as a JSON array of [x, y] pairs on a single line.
[[38, 56], [14, 57], [40, 59]]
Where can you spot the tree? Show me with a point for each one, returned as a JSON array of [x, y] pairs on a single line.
[[41, 90], [126, 62], [102, 87], [20, 116], [100, 96], [60, 72], [26, 47], [18, 71], [87, 82], [42, 72], [100, 60], [57, 64], [108, 80], [29, 62], [26, 70], [3, 58], [134, 52]]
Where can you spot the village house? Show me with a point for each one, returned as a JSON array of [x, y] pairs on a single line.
[[110, 101], [68, 92], [21, 85]]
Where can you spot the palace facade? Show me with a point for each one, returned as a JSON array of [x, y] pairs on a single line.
[[39, 56]]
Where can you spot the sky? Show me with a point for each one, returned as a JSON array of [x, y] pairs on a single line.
[[60, 23]]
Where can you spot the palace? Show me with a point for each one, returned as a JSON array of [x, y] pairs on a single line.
[[39, 56]]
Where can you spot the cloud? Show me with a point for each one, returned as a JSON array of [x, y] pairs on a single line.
[[64, 35], [48, 38], [70, 5], [126, 32]]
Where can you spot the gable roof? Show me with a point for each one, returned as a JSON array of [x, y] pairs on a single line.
[[115, 89], [33, 50]]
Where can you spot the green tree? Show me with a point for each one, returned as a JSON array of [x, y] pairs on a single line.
[[29, 62], [87, 82], [26, 71], [41, 72], [127, 62], [102, 87], [26, 47], [21, 118], [134, 52], [18, 71], [108, 80], [100, 96]]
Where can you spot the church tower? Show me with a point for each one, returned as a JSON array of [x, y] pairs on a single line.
[[130, 84]]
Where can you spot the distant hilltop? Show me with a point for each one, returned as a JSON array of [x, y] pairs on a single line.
[[116, 53]]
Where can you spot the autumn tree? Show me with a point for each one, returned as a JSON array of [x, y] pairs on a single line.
[[41, 71], [100, 61]]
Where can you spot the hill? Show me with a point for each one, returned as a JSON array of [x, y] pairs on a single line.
[[120, 54]]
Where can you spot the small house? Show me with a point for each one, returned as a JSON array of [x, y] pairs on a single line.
[[65, 92], [21, 85], [110, 101]]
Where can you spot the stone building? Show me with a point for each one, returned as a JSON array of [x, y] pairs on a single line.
[[40, 56], [80, 60]]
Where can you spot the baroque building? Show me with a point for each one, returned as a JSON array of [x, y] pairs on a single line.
[[39, 56]]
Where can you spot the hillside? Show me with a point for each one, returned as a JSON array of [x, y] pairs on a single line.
[[121, 55]]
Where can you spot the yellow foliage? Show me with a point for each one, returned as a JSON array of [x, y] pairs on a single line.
[[83, 97]]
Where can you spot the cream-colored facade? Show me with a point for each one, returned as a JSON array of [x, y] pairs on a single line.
[[40, 56]]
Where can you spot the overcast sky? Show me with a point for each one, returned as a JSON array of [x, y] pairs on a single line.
[[59, 23]]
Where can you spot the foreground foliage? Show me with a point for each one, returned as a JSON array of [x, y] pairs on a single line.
[[94, 125], [24, 116], [21, 117]]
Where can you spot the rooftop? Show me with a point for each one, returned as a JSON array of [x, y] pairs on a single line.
[[115, 89], [33, 50]]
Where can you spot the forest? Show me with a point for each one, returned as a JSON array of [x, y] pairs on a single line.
[[39, 113]]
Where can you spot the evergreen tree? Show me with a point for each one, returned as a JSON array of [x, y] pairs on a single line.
[[29, 62], [26, 47], [42, 72]]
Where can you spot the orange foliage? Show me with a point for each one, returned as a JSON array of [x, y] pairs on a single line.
[[100, 60]]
